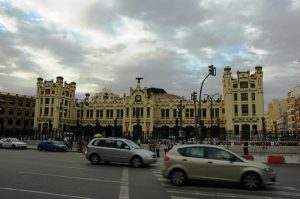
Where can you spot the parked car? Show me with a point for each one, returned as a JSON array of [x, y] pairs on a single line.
[[214, 163], [51, 145], [118, 150], [12, 143]]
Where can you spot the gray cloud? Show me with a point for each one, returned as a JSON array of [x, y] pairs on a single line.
[[240, 34]]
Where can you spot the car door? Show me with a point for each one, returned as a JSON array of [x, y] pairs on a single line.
[[221, 165], [194, 161], [7, 143], [122, 152]]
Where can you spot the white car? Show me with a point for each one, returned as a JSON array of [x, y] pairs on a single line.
[[12, 143]]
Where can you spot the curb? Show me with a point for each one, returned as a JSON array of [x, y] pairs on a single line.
[[277, 159]]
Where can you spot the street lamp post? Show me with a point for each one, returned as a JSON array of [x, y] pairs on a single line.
[[180, 108], [194, 98], [212, 72], [210, 98], [82, 103], [2, 101]]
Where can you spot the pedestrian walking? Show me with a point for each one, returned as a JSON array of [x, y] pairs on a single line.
[[157, 147], [166, 148]]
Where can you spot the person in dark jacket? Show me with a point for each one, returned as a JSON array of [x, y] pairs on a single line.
[[245, 148]]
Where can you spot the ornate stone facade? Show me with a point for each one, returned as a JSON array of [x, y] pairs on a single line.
[[151, 112]]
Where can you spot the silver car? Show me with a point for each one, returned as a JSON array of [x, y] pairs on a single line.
[[12, 143], [213, 163], [118, 150]]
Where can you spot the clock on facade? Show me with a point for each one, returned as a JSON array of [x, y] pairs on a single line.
[[138, 98]]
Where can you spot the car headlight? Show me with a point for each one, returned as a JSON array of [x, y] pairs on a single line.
[[268, 169]]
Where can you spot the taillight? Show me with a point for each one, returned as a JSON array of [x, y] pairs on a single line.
[[167, 158]]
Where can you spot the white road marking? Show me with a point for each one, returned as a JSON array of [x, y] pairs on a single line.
[[43, 193], [68, 177], [124, 189], [221, 195]]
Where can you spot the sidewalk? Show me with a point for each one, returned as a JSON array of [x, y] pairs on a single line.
[[279, 158]]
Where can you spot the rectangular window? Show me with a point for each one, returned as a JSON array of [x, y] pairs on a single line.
[[187, 113], [245, 109], [66, 102], [121, 113], [254, 129], [204, 112], [107, 114], [118, 113], [236, 109], [243, 84], [174, 113], [87, 113], [127, 112], [235, 97], [192, 113], [52, 100], [142, 111], [148, 111], [217, 114], [47, 100], [42, 101], [97, 113], [253, 109], [253, 96], [28, 103], [244, 96], [162, 113], [111, 113], [235, 85], [137, 112], [46, 111], [101, 113], [236, 129], [91, 113]]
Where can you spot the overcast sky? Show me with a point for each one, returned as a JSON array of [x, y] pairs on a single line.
[[170, 43]]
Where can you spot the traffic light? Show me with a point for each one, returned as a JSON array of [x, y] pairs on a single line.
[[212, 70]]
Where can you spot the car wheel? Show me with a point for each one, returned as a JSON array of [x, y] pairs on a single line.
[[136, 162], [251, 181], [13, 146], [55, 149], [39, 148], [95, 159], [0, 146], [178, 177]]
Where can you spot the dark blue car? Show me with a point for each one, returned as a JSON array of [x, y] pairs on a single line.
[[51, 145]]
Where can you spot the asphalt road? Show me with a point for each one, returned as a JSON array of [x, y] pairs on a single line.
[[31, 174]]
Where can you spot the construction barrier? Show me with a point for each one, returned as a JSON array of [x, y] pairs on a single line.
[[248, 157], [272, 159]]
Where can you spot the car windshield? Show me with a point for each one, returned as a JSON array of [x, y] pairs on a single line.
[[55, 142], [14, 140], [132, 144]]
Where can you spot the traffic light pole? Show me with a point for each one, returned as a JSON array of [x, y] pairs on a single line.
[[211, 71]]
